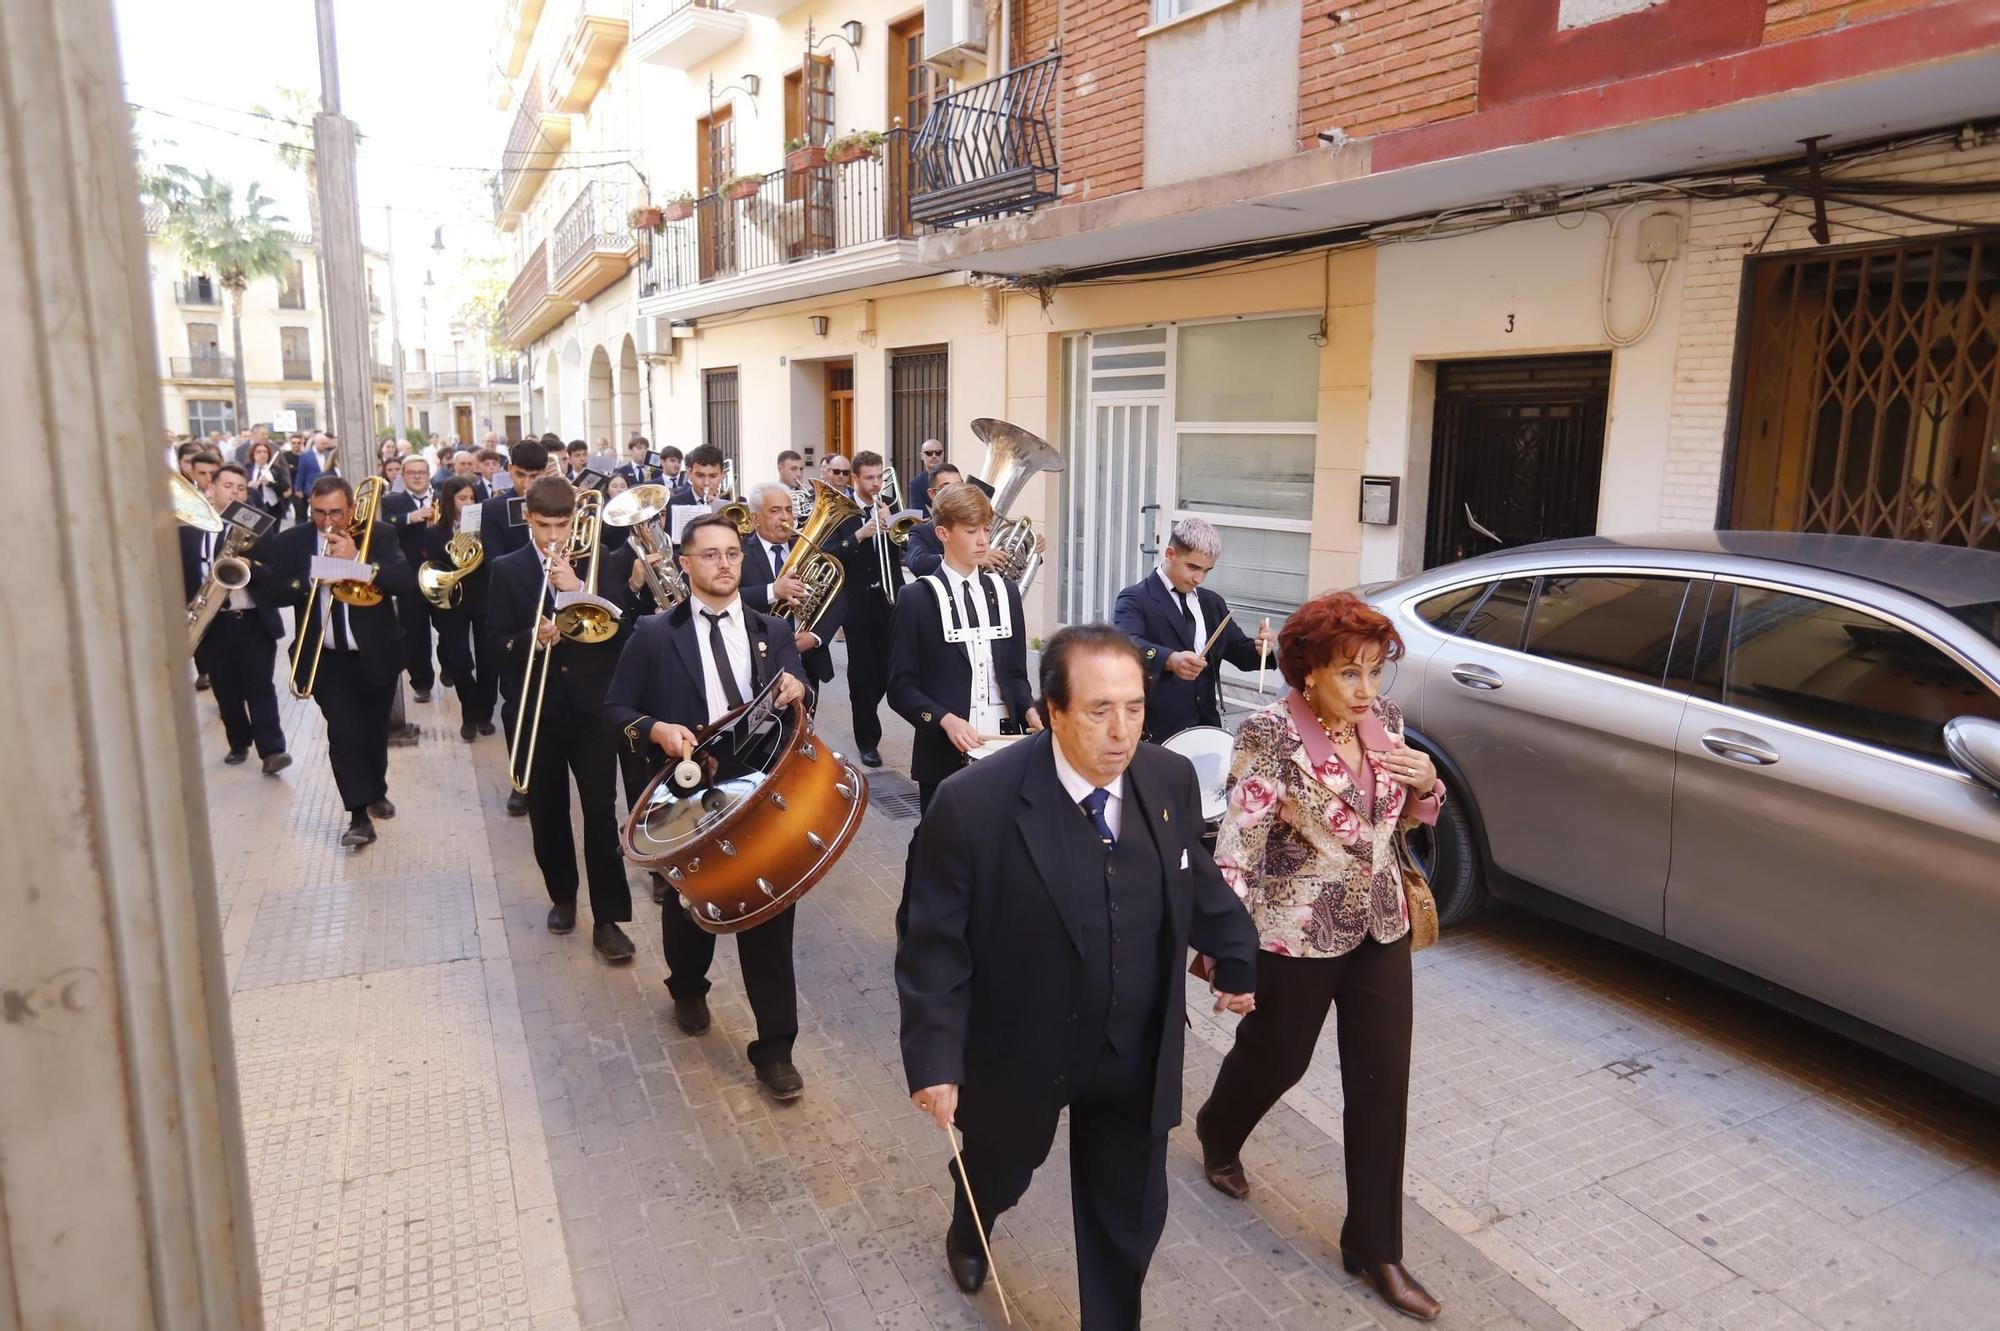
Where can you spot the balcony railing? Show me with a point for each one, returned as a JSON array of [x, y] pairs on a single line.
[[382, 372], [793, 216], [460, 379], [988, 149], [594, 223], [416, 381], [197, 291], [203, 367], [504, 374], [298, 369]]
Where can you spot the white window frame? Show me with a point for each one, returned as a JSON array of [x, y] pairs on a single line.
[[1167, 11]]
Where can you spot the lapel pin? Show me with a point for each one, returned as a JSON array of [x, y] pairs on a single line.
[[1166, 817]]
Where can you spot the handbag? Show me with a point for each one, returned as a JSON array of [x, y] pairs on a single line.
[[1417, 893]]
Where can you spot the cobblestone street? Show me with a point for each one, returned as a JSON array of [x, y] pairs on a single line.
[[456, 1120]]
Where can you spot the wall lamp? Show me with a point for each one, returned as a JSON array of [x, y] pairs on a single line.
[[819, 324], [749, 87], [850, 32]]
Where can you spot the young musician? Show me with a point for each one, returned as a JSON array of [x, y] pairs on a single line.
[[700, 488], [362, 649], [462, 645], [529, 460], [792, 469], [925, 552], [411, 511], [682, 671], [241, 644], [569, 733], [959, 666], [579, 461], [637, 471], [866, 602], [1172, 616]]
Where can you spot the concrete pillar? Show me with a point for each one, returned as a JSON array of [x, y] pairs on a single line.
[[122, 1181]]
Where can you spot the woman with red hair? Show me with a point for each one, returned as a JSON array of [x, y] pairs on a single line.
[[1320, 784]]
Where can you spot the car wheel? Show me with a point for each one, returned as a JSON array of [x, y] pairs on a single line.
[[1448, 855]]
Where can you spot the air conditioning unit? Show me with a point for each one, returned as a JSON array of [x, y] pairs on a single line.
[[653, 338], [955, 38]]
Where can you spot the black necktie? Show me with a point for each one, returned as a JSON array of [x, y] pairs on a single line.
[[337, 612], [720, 651], [972, 620], [777, 560], [1187, 614]]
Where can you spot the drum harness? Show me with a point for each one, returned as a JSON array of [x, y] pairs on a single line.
[[986, 713]]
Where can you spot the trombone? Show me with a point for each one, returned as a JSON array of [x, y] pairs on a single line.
[[582, 622], [351, 591], [883, 562]]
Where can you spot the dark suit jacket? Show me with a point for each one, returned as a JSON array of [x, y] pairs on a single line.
[[494, 532], [758, 575], [930, 678], [1148, 612], [990, 963], [261, 592], [925, 552], [378, 635], [659, 677], [397, 510], [579, 671], [861, 594]]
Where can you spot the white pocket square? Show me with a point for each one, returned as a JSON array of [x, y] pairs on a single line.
[[1184, 859]]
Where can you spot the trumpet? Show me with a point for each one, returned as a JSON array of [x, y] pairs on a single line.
[[639, 508], [581, 623], [226, 572], [819, 571], [351, 591], [444, 585]]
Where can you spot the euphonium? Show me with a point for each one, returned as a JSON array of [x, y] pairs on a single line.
[[819, 571], [639, 509], [444, 585]]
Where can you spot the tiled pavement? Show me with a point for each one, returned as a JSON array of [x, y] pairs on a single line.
[[458, 1120]]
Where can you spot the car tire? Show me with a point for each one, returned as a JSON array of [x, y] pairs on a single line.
[[1448, 854]]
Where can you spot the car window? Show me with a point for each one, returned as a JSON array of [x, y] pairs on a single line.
[[1616, 624], [1446, 611], [1499, 620], [1842, 671]]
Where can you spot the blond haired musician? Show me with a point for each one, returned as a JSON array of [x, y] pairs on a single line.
[[682, 671], [958, 665]]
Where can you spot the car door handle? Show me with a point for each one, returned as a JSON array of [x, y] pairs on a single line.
[[1476, 677], [1738, 747]]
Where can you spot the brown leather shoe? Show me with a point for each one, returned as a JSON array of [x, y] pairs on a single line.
[[1225, 1176], [1396, 1286]]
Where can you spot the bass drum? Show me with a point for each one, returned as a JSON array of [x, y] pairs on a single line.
[[769, 809], [1208, 748]]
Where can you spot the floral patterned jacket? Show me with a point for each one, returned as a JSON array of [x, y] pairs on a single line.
[[1316, 888]]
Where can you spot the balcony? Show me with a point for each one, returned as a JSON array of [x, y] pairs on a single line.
[[679, 34], [766, 8], [517, 34], [504, 374], [298, 371], [459, 380], [593, 245], [197, 291], [988, 149], [597, 31], [416, 383], [202, 367], [532, 308], [533, 146], [381, 372], [802, 234]]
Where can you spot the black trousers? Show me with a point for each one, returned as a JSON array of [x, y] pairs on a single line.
[[1274, 1046], [237, 655], [357, 727], [573, 745], [415, 614], [766, 954], [461, 649], [1117, 1183], [869, 639]]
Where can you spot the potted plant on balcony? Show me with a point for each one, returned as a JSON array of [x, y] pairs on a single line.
[[856, 145], [802, 155], [679, 207], [739, 188], [647, 217]]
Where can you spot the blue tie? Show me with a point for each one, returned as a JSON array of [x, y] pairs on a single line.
[[1094, 804]]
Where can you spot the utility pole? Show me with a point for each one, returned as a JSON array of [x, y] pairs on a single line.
[[396, 391], [340, 256]]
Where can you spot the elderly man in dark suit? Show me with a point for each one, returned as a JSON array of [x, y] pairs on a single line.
[[1051, 899], [1172, 616], [765, 551]]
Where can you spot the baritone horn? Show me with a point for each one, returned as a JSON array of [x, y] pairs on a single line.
[[639, 510], [361, 530], [821, 573], [1013, 455]]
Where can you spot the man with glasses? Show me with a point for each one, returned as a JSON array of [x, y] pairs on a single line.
[[926, 481], [835, 471], [683, 670]]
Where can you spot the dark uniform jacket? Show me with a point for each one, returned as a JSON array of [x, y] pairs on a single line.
[[378, 635], [930, 678], [1151, 616], [659, 678]]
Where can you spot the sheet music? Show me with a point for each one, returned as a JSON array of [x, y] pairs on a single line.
[[325, 568]]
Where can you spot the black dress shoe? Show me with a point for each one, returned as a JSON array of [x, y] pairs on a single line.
[[871, 758], [659, 890], [1397, 1287], [277, 763], [610, 942], [691, 1015], [485, 727], [382, 808], [562, 917], [201, 683], [404, 737], [423, 695], [781, 1081], [517, 805], [468, 732], [447, 679], [968, 1269], [236, 756], [360, 832]]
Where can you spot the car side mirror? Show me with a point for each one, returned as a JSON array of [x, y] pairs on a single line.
[[1974, 744]]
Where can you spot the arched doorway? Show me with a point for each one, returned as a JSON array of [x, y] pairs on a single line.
[[629, 423], [598, 423], [549, 417], [569, 404]]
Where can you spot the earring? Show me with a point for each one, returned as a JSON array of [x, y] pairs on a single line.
[[1309, 693]]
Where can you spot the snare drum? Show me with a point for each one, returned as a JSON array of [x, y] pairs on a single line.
[[1207, 747]]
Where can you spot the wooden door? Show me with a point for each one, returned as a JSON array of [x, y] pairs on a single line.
[[715, 217], [461, 422], [840, 408]]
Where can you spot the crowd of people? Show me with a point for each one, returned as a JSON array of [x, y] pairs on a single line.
[[473, 569]]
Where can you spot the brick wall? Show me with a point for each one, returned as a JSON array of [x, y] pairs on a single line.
[[1720, 235], [1390, 64], [1786, 19]]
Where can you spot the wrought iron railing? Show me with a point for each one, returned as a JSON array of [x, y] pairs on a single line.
[[504, 374], [521, 137], [648, 14], [594, 222], [203, 367], [790, 217], [530, 286], [989, 148], [197, 291], [446, 379], [381, 372]]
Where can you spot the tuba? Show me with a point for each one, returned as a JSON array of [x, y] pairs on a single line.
[[228, 571], [1012, 456], [639, 509], [444, 585], [820, 571]]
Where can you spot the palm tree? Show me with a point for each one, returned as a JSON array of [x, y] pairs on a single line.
[[292, 124], [212, 235]]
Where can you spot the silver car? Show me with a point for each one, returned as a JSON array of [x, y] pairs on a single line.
[[1775, 757]]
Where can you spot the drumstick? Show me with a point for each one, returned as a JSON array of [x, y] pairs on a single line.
[[966, 1183], [1210, 645], [1262, 648]]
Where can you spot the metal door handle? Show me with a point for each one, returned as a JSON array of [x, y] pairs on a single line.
[[1738, 747], [1476, 677], [1152, 531]]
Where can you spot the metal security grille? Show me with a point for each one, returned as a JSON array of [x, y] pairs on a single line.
[[1870, 379], [919, 406], [1517, 449], [718, 399]]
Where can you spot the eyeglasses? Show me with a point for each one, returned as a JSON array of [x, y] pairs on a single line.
[[934, 452], [839, 471], [714, 557]]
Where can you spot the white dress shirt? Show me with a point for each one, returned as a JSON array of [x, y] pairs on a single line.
[[1193, 600], [211, 546], [1076, 786], [957, 583], [735, 640], [329, 640]]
